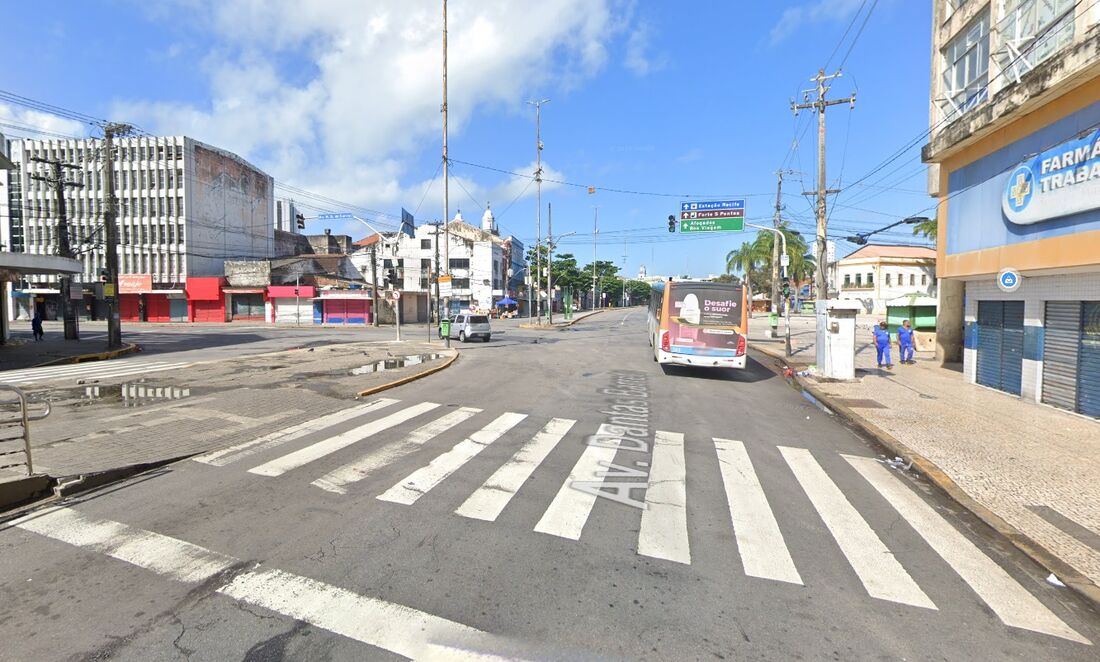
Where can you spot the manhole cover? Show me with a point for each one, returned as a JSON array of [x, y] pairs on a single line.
[[863, 403]]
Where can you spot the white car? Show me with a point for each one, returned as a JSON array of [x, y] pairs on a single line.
[[466, 326]]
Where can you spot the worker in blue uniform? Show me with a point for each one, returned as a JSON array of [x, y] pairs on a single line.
[[882, 346], [905, 342]]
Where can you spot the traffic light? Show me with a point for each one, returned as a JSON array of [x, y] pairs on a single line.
[[671, 223], [301, 221], [786, 287], [391, 277]]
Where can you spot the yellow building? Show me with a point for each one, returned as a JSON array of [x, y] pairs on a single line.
[[1014, 154]]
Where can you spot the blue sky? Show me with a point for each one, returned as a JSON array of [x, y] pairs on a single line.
[[342, 99]]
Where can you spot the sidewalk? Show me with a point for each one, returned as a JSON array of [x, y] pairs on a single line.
[[1030, 471], [21, 351]]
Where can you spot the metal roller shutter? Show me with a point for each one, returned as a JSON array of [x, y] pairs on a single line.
[[1088, 372], [1012, 347], [990, 323], [1061, 341]]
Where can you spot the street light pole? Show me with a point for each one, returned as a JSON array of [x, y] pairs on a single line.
[[784, 259], [538, 194], [595, 234]]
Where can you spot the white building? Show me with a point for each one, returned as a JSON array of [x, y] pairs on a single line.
[[183, 209], [286, 216], [875, 274], [484, 266]]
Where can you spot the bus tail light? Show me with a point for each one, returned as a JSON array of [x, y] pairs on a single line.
[[666, 343], [741, 346]]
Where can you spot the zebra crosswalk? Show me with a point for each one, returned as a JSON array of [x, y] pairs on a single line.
[[86, 371], [440, 445]]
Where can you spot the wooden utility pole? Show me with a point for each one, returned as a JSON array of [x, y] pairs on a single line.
[[819, 105], [64, 248], [110, 286]]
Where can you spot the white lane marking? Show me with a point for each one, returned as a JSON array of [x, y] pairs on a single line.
[[872, 561], [97, 372], [1010, 601], [663, 533], [239, 451], [490, 499], [338, 479], [763, 551], [568, 512], [73, 368], [419, 482], [395, 628], [299, 458], [162, 554]]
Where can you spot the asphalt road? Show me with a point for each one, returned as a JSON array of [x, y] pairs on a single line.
[[458, 514]]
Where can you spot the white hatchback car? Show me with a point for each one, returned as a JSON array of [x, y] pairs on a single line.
[[466, 326]]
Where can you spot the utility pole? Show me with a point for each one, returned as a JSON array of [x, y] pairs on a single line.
[[110, 294], [64, 248], [549, 264], [374, 282], [819, 105], [595, 233], [538, 196], [775, 244], [446, 181]]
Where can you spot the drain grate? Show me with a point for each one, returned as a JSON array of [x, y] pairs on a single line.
[[862, 403]]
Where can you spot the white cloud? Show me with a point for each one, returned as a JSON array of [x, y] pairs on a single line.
[[794, 18], [638, 58], [16, 116], [364, 92]]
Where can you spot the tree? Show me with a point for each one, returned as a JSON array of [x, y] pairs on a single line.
[[928, 229], [606, 277], [747, 259]]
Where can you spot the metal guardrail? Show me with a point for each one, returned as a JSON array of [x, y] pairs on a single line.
[[21, 421]]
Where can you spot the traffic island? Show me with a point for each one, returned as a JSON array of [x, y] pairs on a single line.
[[563, 325]]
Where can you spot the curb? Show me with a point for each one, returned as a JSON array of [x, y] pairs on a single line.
[[1036, 552], [410, 378], [566, 325], [129, 348]]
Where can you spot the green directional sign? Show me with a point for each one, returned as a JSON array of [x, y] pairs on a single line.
[[712, 224]]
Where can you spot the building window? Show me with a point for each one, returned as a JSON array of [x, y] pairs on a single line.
[[460, 283], [460, 263], [859, 280], [965, 74], [870, 279], [924, 279], [887, 280], [912, 279], [426, 244], [425, 265], [1031, 31]]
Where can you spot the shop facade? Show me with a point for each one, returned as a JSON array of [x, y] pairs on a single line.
[[291, 304], [206, 299]]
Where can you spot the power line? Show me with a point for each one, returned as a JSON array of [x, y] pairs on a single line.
[[855, 39]]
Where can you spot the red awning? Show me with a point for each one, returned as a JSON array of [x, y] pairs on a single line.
[[204, 288], [243, 290], [287, 291]]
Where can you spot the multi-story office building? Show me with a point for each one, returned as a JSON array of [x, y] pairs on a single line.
[[1014, 148], [286, 216], [183, 209]]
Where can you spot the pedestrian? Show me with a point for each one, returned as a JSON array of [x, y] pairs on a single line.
[[882, 345], [36, 326], [905, 342]]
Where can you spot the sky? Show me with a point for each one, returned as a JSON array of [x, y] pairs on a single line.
[[651, 102]]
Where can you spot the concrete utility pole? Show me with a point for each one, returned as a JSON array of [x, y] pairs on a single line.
[[775, 244], [110, 294], [446, 179], [595, 233], [538, 196], [549, 264], [374, 282], [819, 105], [64, 248]]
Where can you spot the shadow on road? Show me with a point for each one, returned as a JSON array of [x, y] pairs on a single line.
[[753, 372]]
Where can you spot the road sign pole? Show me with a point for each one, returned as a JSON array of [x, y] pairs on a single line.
[[397, 312]]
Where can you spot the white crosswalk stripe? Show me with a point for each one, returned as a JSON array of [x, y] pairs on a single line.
[[97, 370], [569, 510], [1010, 601], [240, 451], [338, 480], [424, 479], [491, 498], [316, 451], [763, 551], [874, 564], [663, 532]]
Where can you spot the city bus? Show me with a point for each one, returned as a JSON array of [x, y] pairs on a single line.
[[699, 323]]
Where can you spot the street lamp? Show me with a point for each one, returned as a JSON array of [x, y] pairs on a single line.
[[861, 238], [783, 261]]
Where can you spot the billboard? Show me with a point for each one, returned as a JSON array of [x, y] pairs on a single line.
[[706, 319]]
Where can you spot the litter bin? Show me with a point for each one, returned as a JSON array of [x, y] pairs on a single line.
[[444, 328]]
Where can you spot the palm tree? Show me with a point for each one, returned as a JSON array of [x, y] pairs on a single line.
[[746, 259], [927, 228]]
